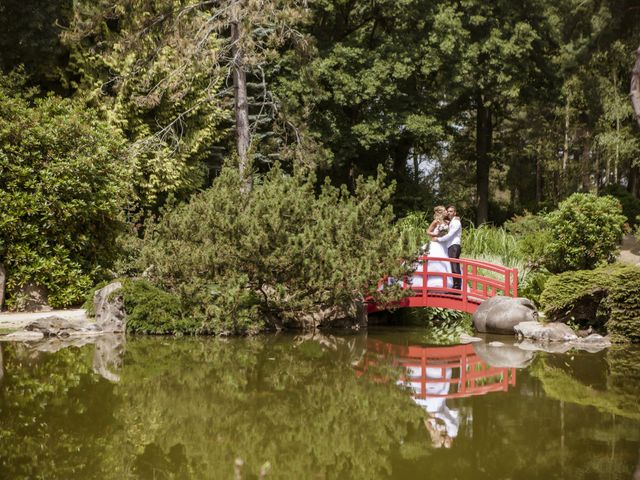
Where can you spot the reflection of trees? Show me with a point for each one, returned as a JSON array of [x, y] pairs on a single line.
[[300, 408], [187, 408], [39, 397], [615, 393]]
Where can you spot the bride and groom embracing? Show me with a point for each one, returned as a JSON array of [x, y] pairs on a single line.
[[445, 232]]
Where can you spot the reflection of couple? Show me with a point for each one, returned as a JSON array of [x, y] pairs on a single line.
[[445, 232], [442, 423]]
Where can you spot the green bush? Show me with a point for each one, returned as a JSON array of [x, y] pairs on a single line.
[[534, 285], [607, 297], [61, 192], [630, 204], [278, 255], [149, 309], [532, 236], [585, 231]]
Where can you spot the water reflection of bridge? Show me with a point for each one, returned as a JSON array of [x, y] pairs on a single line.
[[437, 372]]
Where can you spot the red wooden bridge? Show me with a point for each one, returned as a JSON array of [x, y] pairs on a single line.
[[437, 372], [431, 284]]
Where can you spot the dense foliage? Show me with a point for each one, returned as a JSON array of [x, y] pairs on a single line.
[[62, 189], [607, 298], [584, 232], [278, 255], [500, 107]]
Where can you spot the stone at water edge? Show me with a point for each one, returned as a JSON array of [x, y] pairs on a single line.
[[550, 332], [464, 339], [109, 308], [502, 314], [61, 327]]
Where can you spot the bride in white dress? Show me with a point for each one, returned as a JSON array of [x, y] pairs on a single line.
[[438, 227]]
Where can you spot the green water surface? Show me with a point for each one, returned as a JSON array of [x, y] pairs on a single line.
[[316, 407]]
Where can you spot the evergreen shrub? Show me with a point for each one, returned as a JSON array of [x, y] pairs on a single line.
[[630, 204], [584, 231], [607, 297], [278, 255], [61, 193]]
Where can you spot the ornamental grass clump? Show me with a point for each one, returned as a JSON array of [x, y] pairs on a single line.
[[280, 255]]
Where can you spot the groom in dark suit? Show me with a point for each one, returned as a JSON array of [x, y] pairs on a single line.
[[452, 241]]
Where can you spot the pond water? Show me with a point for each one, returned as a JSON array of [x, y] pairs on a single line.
[[378, 404]]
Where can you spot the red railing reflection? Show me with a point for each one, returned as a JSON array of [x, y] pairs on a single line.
[[425, 367]]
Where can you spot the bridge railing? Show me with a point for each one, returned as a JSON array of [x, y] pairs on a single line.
[[432, 287]]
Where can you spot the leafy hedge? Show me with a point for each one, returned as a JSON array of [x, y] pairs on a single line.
[[606, 297], [61, 193]]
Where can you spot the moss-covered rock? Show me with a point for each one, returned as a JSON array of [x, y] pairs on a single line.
[[606, 298]]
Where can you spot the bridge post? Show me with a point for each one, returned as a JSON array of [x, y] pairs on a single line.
[[464, 290]]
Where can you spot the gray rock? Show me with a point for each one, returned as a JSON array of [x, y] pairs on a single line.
[[33, 298], [550, 332], [506, 356], [501, 314], [109, 308], [595, 338], [62, 327], [352, 315], [464, 339], [22, 336]]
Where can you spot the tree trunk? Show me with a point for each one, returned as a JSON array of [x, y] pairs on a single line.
[[585, 163], [565, 150], [634, 181], [538, 179], [617, 157], [483, 160], [635, 87], [241, 104]]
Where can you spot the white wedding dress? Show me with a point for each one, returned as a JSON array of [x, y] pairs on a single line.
[[438, 250]]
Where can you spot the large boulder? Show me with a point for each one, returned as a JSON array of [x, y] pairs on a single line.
[[32, 298], [501, 314], [109, 307]]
